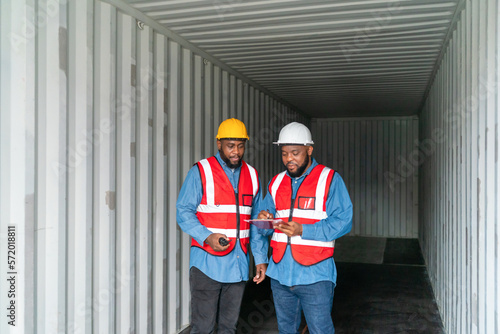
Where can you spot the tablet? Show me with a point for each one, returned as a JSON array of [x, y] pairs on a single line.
[[265, 223]]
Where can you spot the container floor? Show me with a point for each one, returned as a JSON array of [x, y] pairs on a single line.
[[382, 287]]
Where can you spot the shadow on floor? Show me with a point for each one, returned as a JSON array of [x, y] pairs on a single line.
[[388, 292]]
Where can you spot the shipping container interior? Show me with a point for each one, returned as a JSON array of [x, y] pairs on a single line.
[[106, 104]]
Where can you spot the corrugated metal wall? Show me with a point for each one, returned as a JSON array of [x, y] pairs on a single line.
[[376, 157], [100, 122], [460, 176]]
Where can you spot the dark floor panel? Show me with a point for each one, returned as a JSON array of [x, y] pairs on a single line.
[[360, 249], [403, 251], [368, 299], [394, 297], [384, 299]]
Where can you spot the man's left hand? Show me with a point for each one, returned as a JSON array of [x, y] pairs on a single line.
[[261, 273], [291, 228]]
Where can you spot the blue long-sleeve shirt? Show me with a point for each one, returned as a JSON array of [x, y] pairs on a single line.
[[339, 222], [232, 267]]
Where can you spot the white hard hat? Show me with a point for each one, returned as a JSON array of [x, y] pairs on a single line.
[[294, 134]]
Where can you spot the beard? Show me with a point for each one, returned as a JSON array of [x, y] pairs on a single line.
[[228, 162], [300, 170]]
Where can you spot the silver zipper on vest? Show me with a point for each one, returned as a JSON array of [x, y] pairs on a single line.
[[290, 218]]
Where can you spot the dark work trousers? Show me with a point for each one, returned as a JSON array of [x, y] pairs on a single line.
[[211, 301]]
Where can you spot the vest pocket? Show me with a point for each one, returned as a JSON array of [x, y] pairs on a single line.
[[246, 200], [306, 203]]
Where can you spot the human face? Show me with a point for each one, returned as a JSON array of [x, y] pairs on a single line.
[[296, 159], [231, 151]]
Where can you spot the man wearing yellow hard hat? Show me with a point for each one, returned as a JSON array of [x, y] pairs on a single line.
[[217, 198]]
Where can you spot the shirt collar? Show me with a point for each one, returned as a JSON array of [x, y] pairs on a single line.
[[314, 163], [224, 165]]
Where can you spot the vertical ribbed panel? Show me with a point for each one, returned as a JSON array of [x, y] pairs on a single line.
[[79, 237], [378, 159], [125, 194], [459, 180], [101, 121], [50, 216], [143, 237], [17, 160], [173, 184], [159, 190], [187, 160], [103, 143]]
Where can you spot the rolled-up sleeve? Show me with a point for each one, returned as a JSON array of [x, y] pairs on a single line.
[[187, 203], [339, 211]]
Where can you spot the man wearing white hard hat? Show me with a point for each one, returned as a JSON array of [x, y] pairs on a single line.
[[313, 202]]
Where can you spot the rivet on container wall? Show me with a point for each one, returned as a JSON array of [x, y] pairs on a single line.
[[140, 25]]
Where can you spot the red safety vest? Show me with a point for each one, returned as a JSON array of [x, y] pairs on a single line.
[[221, 210], [308, 207]]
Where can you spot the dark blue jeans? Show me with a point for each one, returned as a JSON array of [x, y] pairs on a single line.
[[315, 300], [210, 298]]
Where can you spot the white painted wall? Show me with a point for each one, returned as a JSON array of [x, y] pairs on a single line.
[[460, 178], [378, 160], [100, 123]]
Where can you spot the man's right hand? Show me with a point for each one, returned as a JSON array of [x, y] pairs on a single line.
[[265, 215], [213, 241]]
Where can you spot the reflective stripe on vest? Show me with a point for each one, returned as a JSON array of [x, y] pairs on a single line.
[[217, 210], [223, 209], [230, 233], [312, 191], [297, 240], [306, 214]]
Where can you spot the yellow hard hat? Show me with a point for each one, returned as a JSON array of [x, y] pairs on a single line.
[[232, 128]]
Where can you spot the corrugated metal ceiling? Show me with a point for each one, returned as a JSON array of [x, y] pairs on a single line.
[[328, 58]]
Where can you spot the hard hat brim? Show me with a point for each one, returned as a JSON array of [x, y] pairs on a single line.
[[292, 144], [233, 138]]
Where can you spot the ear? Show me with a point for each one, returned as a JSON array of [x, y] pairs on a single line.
[[310, 150], [219, 144]]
